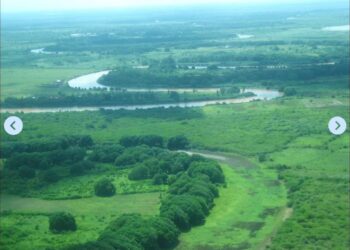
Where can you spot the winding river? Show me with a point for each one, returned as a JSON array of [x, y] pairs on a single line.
[[90, 81]]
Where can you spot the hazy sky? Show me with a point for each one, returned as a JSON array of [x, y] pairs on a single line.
[[38, 5]]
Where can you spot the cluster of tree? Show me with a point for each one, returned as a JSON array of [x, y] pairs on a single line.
[[191, 194], [153, 77], [11, 147], [179, 78], [174, 143], [46, 161], [133, 232], [154, 163], [105, 153]]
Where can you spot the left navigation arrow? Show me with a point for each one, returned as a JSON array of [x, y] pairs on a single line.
[[13, 125]]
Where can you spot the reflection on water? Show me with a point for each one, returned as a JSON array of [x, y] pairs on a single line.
[[88, 81]]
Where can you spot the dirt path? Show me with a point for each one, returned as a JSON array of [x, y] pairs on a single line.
[[232, 160]]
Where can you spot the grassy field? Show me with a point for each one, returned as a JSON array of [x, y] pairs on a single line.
[[25, 223], [19, 82], [245, 215]]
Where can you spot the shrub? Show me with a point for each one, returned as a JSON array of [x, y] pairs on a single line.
[[62, 222], [105, 188]]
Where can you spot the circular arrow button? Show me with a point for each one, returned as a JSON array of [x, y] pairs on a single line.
[[337, 125], [13, 125]]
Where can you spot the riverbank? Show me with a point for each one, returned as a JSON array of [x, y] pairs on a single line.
[[257, 94]]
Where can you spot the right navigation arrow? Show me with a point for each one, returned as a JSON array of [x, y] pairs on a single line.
[[338, 125]]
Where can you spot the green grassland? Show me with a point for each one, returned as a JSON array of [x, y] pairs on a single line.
[[246, 214], [25, 224]]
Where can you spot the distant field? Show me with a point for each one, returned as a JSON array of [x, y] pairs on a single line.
[[18, 82]]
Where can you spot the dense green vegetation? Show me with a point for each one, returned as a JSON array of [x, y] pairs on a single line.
[[215, 77], [264, 174], [188, 203]]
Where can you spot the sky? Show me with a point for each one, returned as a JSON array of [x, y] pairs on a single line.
[[54, 5]]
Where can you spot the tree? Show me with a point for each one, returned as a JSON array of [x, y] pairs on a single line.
[[50, 176], [62, 222], [159, 179], [139, 173], [26, 172], [79, 168], [105, 188], [167, 232], [290, 91], [178, 142], [174, 96], [210, 169], [85, 141], [167, 64]]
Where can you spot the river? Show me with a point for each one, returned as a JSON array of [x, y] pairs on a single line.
[[91, 81]]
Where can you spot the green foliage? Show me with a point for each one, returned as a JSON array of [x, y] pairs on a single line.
[[139, 173], [149, 140], [49, 176], [178, 142], [104, 188], [81, 167], [131, 231], [62, 222], [26, 172], [210, 169], [105, 153], [290, 91], [159, 179]]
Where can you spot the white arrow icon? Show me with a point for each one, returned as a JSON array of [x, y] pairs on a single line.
[[13, 125]]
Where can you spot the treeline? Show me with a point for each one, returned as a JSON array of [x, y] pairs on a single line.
[[52, 160], [115, 97], [213, 77], [9, 148], [89, 99], [44, 161]]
